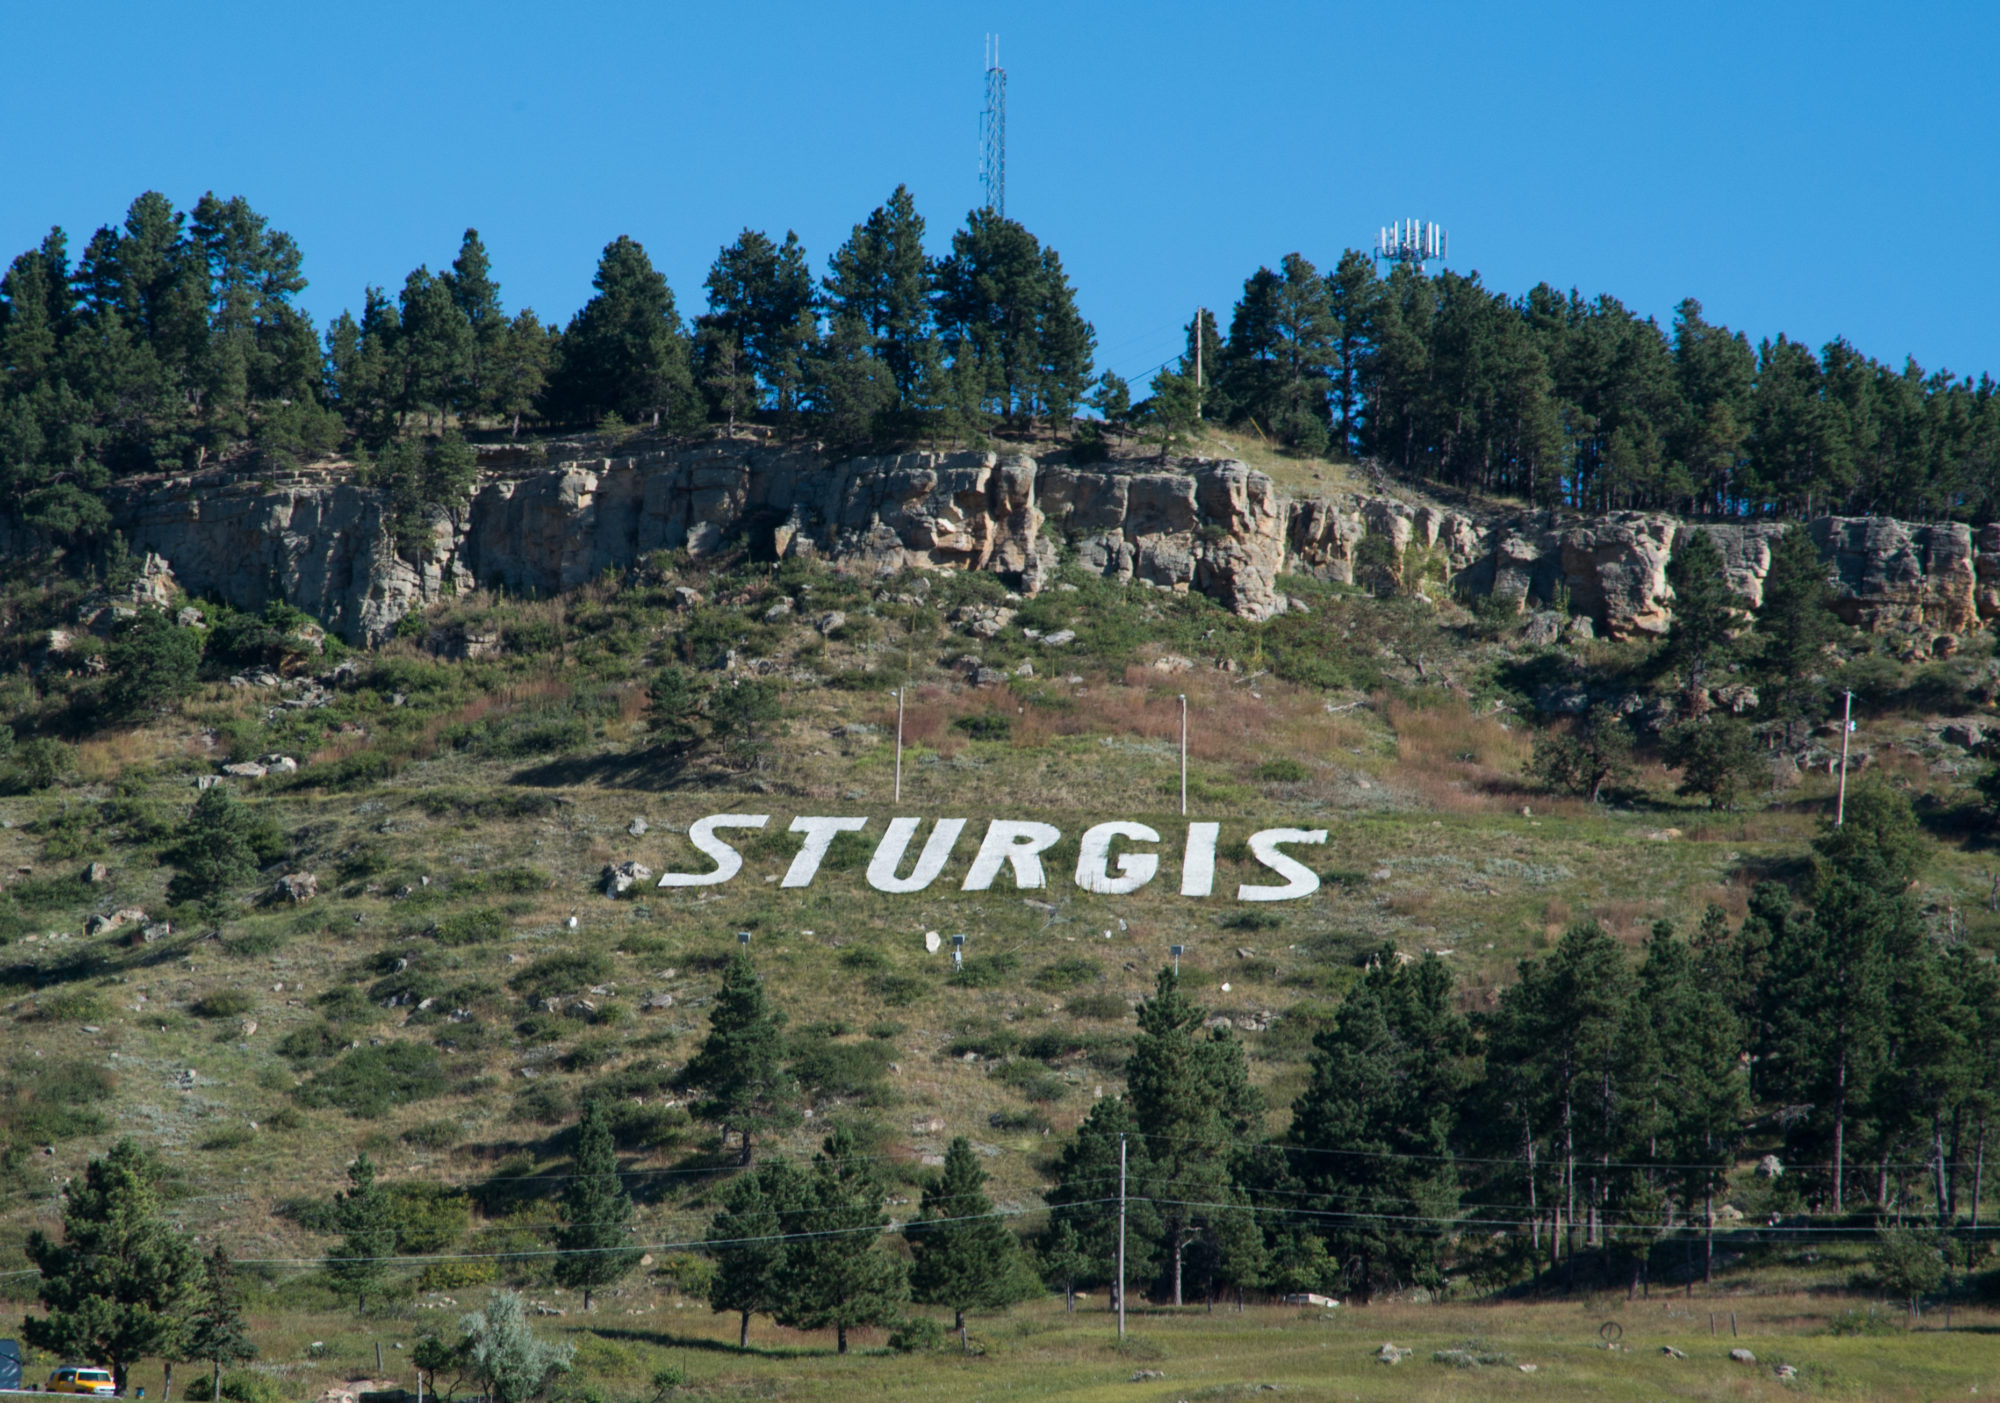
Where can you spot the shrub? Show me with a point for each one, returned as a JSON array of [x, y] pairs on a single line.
[[433, 1135], [43, 763], [369, 1080], [1716, 757], [987, 972], [986, 725], [1283, 770], [917, 1334], [152, 663], [1596, 752], [840, 1069], [470, 927], [564, 973], [1070, 973], [221, 845], [1104, 1007], [223, 1003], [69, 1006]]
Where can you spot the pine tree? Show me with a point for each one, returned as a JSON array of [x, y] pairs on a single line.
[[883, 277], [1698, 640], [747, 1241], [517, 368], [1795, 624], [626, 352], [727, 382], [1372, 1130], [359, 1264], [1192, 1102], [760, 294], [116, 1288], [477, 298], [965, 1256], [850, 390], [675, 696], [739, 1070], [1083, 1217], [214, 1332], [436, 345], [1698, 1092], [837, 1272], [1717, 756], [596, 1211]]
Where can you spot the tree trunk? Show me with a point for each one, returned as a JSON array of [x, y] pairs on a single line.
[[215, 1380], [166, 1380], [958, 1319], [1839, 1127], [745, 1161], [586, 1298], [743, 1332], [1069, 1297], [1978, 1171], [840, 1333], [1708, 1239]]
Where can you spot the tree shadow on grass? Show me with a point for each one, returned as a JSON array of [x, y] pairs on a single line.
[[667, 1340], [657, 768]]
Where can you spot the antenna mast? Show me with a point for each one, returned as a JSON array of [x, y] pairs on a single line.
[[1414, 242], [993, 132]]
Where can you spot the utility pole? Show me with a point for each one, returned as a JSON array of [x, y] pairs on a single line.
[[1121, 1239], [1846, 726], [1183, 754]]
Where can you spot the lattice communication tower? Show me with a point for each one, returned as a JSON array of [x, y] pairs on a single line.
[[993, 131], [1414, 242]]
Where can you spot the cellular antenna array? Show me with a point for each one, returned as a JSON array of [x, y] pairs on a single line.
[[1414, 242], [993, 131]]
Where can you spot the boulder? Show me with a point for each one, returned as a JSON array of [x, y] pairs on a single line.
[[1742, 1356], [830, 623], [245, 769], [298, 887], [97, 874], [124, 916], [620, 878]]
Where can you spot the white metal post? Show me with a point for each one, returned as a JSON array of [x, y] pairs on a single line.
[[1121, 1239], [1846, 725], [1183, 754]]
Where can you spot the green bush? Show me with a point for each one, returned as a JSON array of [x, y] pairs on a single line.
[[917, 1334], [986, 725], [1283, 770], [1070, 973], [223, 1003], [1104, 1007], [840, 1069], [567, 972], [43, 763], [152, 663], [470, 927], [369, 1080], [986, 972], [69, 1006]]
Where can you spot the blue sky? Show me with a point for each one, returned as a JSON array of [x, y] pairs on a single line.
[[1818, 170]]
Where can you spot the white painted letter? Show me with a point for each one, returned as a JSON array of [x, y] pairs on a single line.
[[1198, 867], [728, 861], [1093, 861], [889, 854], [1300, 880], [819, 837], [1015, 841]]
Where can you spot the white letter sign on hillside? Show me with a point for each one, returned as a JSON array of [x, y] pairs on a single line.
[[728, 861], [1101, 869]]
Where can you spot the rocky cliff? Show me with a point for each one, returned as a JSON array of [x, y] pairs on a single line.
[[319, 541]]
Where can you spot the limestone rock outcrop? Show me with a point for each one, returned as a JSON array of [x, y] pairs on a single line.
[[320, 540]]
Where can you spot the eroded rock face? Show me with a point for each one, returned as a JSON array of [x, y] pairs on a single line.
[[1213, 527], [1900, 575]]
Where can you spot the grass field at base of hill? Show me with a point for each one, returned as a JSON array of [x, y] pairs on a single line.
[[1040, 1352]]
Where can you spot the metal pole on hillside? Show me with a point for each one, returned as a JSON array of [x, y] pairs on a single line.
[[1183, 754], [1846, 727], [1121, 1239], [899, 741]]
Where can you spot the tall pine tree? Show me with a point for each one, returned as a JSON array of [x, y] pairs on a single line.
[[596, 1211], [966, 1258], [739, 1070]]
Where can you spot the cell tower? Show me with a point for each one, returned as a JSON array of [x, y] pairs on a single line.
[[1413, 242], [993, 131]]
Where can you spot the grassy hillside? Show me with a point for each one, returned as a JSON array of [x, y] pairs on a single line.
[[460, 981]]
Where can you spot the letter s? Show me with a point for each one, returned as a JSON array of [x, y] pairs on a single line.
[[1301, 880], [728, 861]]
